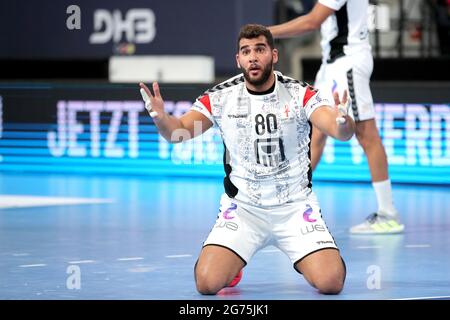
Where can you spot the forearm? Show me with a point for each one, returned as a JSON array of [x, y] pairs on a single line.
[[326, 120], [294, 27], [344, 131], [167, 125]]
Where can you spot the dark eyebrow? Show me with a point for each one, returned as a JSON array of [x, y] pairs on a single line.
[[260, 44]]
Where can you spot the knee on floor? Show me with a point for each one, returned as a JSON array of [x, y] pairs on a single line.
[[331, 283], [207, 284]]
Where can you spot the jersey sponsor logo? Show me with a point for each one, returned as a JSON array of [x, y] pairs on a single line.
[[310, 228], [226, 213], [227, 224], [308, 213]]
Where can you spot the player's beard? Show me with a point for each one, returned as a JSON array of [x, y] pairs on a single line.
[[265, 75]]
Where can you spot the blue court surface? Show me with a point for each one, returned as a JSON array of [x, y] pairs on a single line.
[[103, 237]]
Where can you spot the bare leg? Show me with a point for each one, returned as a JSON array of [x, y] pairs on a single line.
[[324, 270], [369, 139], [216, 268]]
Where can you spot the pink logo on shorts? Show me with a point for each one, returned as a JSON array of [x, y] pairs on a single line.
[[228, 211], [307, 213]]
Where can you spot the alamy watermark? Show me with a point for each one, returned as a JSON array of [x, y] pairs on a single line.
[[374, 279], [73, 21], [73, 281]]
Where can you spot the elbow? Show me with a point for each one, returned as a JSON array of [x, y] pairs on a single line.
[[345, 132], [311, 23], [178, 135], [348, 134], [346, 137]]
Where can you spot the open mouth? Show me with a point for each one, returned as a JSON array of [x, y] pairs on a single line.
[[254, 70]]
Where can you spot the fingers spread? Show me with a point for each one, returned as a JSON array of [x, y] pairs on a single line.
[[336, 98], [144, 95], [146, 89], [344, 97], [156, 89]]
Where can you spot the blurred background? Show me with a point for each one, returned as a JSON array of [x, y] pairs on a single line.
[[69, 71]]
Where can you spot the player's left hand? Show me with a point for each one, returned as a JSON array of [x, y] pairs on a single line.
[[342, 106]]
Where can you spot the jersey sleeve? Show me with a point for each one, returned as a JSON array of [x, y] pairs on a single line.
[[313, 100], [203, 105], [333, 4]]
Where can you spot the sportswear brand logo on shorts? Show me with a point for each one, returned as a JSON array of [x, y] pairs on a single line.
[[307, 213], [228, 211], [324, 242]]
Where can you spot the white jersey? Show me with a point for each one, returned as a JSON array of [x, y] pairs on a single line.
[[344, 32], [266, 138]]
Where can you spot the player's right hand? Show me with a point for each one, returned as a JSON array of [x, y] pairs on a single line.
[[342, 106], [153, 103]]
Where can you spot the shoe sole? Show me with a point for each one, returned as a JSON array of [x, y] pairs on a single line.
[[379, 232]]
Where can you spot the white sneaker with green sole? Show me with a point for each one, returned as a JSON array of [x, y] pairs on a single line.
[[378, 223]]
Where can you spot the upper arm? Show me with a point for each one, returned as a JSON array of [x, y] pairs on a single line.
[[195, 122], [323, 117], [318, 110], [198, 119]]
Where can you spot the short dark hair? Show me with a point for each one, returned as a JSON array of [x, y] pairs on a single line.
[[251, 31]]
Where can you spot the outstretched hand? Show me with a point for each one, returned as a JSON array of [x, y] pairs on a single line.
[[342, 106], [153, 103]]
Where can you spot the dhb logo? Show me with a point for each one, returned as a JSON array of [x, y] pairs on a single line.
[[138, 26]]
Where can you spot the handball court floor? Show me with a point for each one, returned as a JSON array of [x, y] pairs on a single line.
[[103, 237]]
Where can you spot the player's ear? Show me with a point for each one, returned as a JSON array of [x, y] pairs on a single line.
[[237, 61], [275, 55]]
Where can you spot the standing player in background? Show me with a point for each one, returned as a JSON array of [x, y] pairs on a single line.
[[264, 119], [347, 64]]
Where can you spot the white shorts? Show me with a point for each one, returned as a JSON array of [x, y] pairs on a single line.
[[297, 228], [350, 73]]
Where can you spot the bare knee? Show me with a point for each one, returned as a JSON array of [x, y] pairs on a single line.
[[207, 283], [367, 134], [331, 283]]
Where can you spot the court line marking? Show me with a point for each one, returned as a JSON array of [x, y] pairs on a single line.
[[25, 201], [81, 261], [417, 246], [32, 265], [130, 259], [368, 247], [179, 256], [423, 298], [270, 250], [20, 254]]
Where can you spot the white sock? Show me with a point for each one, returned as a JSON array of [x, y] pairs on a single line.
[[383, 191]]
